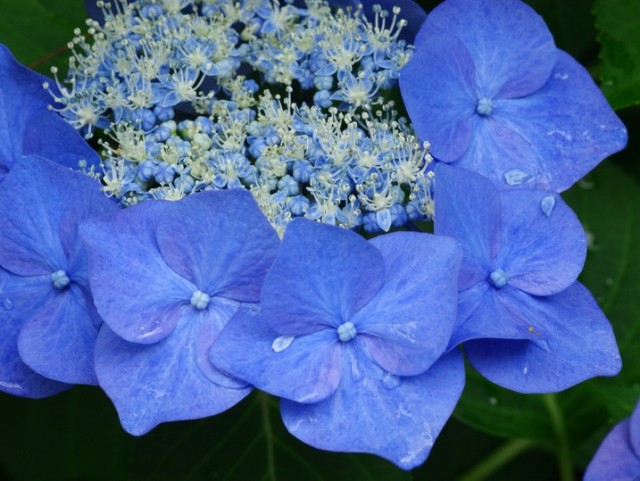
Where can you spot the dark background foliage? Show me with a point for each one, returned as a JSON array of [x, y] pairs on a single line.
[[495, 434]]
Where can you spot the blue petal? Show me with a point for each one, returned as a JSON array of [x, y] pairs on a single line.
[[568, 124], [442, 108], [375, 412], [615, 459], [20, 298], [322, 275], [27, 126], [307, 370], [135, 291], [468, 209], [407, 325], [58, 340], [221, 242], [34, 200], [511, 47], [541, 254], [634, 430], [152, 384], [576, 344], [484, 313]]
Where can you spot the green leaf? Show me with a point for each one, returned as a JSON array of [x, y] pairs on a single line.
[[76, 436], [618, 24], [37, 31]]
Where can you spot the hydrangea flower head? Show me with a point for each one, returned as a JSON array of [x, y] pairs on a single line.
[[527, 324], [166, 277], [28, 126], [351, 335], [492, 93], [49, 322], [618, 457]]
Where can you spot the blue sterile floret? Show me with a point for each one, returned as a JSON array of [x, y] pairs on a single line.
[[525, 321], [286, 101], [353, 333], [166, 277], [29, 126], [49, 325], [492, 93], [618, 457]]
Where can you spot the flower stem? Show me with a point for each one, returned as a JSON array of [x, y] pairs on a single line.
[[565, 463], [497, 460]]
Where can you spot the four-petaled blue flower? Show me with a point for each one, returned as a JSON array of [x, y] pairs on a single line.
[[28, 126], [351, 334], [49, 325], [490, 91], [618, 457], [166, 277], [527, 324]]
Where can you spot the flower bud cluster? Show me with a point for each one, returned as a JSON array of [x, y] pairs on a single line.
[[290, 102]]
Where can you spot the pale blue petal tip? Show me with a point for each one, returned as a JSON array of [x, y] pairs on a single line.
[[281, 343]]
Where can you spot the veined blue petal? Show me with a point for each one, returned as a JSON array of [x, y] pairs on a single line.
[[577, 343], [57, 341], [322, 275], [308, 370], [541, 254], [226, 254], [442, 108], [161, 382], [615, 458], [20, 298], [568, 125], [511, 47], [135, 291], [468, 208], [407, 325], [397, 418]]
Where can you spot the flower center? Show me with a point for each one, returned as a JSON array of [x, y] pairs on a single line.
[[347, 331], [484, 107], [60, 279], [498, 278], [200, 300]]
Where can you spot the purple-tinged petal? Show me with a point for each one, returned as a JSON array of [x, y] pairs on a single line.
[[27, 126], [375, 412], [20, 297], [568, 123], [407, 325], [511, 46], [468, 209], [615, 459], [152, 384], [226, 254], [502, 155], [212, 321], [543, 249], [484, 313], [57, 341], [135, 291], [634, 430], [576, 343], [438, 89], [322, 275], [303, 369]]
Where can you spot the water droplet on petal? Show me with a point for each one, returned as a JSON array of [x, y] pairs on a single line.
[[516, 177], [390, 381], [281, 343], [547, 204], [7, 304]]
